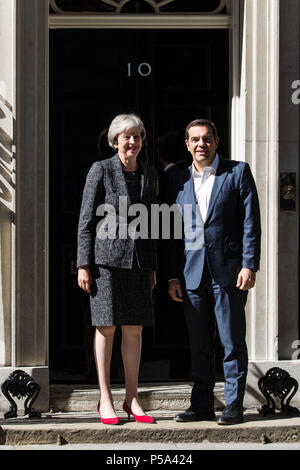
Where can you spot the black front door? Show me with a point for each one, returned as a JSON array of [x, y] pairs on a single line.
[[168, 77]]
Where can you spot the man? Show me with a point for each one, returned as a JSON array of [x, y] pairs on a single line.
[[212, 268]]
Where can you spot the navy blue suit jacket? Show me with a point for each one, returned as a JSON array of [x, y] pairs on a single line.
[[232, 230]]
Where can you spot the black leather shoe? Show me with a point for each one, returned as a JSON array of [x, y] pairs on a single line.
[[231, 415], [190, 415]]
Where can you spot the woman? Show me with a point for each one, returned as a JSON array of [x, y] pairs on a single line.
[[117, 270]]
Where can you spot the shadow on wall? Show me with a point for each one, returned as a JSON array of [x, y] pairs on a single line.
[[256, 371], [7, 219], [7, 187], [252, 390]]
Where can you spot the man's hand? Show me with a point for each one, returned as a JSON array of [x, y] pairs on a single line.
[[246, 279], [84, 278], [175, 290]]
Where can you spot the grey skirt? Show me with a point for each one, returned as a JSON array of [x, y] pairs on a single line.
[[121, 297]]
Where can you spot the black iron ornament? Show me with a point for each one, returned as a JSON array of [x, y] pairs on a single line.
[[19, 384], [279, 383]]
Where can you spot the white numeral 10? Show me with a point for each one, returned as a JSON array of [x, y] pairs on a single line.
[[144, 69]]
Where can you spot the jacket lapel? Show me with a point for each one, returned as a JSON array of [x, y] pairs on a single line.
[[189, 196], [220, 177], [119, 182], [148, 183], [144, 181], [117, 177], [189, 201]]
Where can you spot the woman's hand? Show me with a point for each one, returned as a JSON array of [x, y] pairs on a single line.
[[84, 278], [153, 279]]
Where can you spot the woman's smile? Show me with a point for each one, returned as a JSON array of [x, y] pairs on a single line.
[[129, 144]]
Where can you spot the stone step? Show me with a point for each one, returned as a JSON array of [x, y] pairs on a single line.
[[161, 396], [73, 419], [86, 428]]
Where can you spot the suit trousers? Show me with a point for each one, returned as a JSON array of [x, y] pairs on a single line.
[[206, 307]]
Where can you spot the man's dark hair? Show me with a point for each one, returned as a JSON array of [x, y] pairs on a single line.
[[201, 122]]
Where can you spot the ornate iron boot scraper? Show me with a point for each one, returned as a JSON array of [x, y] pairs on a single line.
[[279, 383], [20, 384]]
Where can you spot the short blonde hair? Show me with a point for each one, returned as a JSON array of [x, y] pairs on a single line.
[[124, 122]]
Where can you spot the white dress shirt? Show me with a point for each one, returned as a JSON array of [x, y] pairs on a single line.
[[203, 184]]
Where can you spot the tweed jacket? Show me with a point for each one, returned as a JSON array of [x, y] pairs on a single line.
[[105, 184]]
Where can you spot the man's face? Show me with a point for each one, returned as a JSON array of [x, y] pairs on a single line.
[[202, 145]]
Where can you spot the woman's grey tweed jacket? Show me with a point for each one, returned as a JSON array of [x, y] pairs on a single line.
[[106, 183]]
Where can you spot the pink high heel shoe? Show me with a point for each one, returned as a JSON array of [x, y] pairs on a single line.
[[139, 419], [115, 420]]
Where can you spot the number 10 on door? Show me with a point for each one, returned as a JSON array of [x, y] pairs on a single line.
[[144, 69]]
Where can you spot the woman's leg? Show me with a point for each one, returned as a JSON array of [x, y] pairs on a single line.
[[131, 354], [103, 345]]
